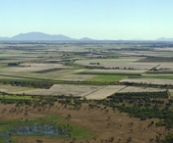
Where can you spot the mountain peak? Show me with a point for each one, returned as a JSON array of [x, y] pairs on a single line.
[[39, 36], [86, 39]]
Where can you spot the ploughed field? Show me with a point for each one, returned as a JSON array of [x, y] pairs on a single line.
[[82, 91]]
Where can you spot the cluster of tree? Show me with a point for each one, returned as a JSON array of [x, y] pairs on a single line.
[[13, 64], [157, 59], [168, 139], [140, 98], [75, 102], [146, 105], [165, 115], [29, 83], [16, 101], [129, 95], [169, 86]]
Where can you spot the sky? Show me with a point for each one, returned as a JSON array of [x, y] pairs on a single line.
[[97, 19]]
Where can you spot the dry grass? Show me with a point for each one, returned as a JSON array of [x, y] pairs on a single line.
[[104, 123]]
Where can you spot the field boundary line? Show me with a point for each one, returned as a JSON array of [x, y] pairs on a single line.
[[94, 91], [121, 89], [152, 68]]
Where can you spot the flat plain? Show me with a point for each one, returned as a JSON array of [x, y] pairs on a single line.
[[99, 92]]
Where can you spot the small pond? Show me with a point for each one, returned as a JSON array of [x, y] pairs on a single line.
[[23, 128]]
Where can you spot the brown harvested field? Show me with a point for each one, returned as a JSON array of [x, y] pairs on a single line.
[[118, 63], [54, 71], [115, 71], [75, 77], [164, 49], [58, 89], [142, 66], [139, 89], [107, 61], [104, 92], [148, 81], [104, 123], [139, 66], [33, 67], [165, 67], [147, 53]]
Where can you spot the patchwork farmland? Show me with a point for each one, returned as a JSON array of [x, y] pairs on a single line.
[[75, 90]]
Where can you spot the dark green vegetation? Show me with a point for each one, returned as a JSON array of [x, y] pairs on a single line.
[[113, 73], [145, 105], [157, 59], [25, 83], [50, 70]]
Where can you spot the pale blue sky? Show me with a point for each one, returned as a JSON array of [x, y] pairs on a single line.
[[97, 19]]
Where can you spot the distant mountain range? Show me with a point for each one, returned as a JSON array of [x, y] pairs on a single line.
[[164, 39], [38, 36], [4, 38]]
